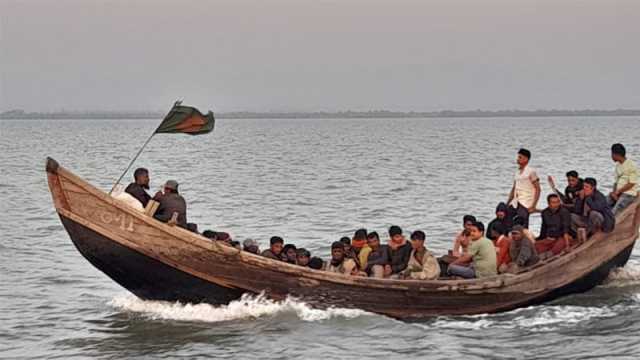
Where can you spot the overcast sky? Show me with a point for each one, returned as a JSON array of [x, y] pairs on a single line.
[[301, 55]]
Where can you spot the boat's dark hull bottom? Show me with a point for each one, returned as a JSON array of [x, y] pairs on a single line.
[[147, 278], [151, 279]]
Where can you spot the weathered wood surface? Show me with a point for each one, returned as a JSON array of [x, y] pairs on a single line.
[[89, 214]]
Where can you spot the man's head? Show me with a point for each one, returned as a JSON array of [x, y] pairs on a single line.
[[337, 251], [209, 234], [289, 251], [417, 239], [316, 263], [302, 257], [554, 201], [501, 211], [497, 230], [590, 185], [467, 220], [347, 243], [476, 230], [171, 186], [360, 234], [618, 153], [251, 246], [373, 240], [524, 156], [276, 244], [395, 234], [141, 177], [517, 232], [465, 238], [573, 179]]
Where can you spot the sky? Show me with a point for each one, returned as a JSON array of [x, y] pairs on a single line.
[[301, 55]]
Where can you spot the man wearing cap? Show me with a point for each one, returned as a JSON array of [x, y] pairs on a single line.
[[521, 252], [251, 246], [525, 192], [339, 263], [171, 202], [303, 256], [625, 188]]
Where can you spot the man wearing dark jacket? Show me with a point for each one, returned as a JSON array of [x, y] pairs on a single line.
[[592, 210], [399, 251], [171, 202], [378, 258], [137, 188], [556, 227], [502, 218]]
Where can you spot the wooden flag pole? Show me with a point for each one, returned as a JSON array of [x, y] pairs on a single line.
[[131, 163]]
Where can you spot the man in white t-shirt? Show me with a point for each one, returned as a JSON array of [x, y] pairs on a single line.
[[525, 193]]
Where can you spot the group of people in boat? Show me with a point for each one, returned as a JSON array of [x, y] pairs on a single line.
[[506, 245]]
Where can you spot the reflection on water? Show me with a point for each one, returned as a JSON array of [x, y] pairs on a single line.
[[310, 181]]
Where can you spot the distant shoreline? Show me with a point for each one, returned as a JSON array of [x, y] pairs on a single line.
[[90, 115]]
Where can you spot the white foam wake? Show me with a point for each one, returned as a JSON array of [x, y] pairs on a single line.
[[248, 307], [535, 319], [628, 275]]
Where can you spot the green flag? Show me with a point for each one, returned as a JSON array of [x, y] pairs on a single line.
[[186, 120]]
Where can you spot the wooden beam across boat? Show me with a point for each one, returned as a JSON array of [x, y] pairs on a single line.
[[156, 261]]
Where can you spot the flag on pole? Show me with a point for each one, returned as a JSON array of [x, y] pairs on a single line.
[[186, 120]]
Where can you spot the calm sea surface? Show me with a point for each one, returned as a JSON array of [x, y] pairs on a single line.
[[310, 181]]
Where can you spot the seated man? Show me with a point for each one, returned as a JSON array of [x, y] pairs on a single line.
[[339, 263], [303, 256], [349, 251], [171, 202], [422, 264], [521, 251], [625, 189], [316, 263], [137, 188], [288, 254], [251, 246], [480, 261], [501, 218], [399, 251], [359, 242], [556, 227], [592, 210], [458, 249], [501, 244], [275, 249], [574, 186], [378, 258]]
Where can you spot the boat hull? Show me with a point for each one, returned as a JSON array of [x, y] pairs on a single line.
[[156, 261], [145, 277]]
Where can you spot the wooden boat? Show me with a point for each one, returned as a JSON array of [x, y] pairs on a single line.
[[157, 261]]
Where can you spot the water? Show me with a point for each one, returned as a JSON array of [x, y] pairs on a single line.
[[310, 181]]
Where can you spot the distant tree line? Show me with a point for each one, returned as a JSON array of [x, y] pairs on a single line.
[[21, 114]]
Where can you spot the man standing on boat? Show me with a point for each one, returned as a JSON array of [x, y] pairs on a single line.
[[525, 192], [625, 188]]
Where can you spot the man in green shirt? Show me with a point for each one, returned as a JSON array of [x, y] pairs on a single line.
[[480, 261], [625, 189]]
